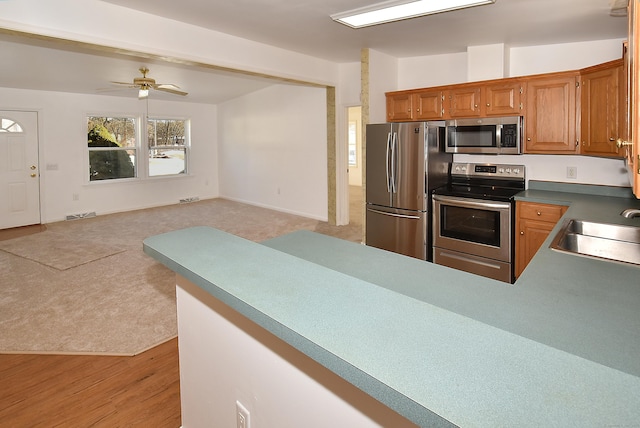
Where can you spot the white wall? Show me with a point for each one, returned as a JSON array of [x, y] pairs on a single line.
[[590, 170], [383, 77], [561, 57], [273, 149], [75, 20], [435, 70], [63, 146], [225, 357]]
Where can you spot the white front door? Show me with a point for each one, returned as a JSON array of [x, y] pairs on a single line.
[[19, 169]]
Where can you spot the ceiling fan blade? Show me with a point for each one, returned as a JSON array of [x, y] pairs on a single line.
[[127, 84], [173, 89]]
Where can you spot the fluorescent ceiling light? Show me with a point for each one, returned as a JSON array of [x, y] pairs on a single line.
[[395, 10]]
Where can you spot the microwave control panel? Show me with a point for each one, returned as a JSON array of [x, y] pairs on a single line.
[[509, 137]]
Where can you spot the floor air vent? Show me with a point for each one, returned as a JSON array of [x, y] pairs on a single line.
[[187, 200], [81, 215]]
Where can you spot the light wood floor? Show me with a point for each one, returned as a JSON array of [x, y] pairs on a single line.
[[96, 391]]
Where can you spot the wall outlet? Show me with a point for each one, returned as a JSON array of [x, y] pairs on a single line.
[[572, 172], [242, 416]]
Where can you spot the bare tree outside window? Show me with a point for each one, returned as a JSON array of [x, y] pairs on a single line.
[[168, 146]]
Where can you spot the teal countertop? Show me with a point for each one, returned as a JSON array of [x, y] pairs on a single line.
[[560, 347]]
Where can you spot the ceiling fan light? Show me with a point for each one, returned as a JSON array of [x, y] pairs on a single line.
[[396, 10], [143, 93]]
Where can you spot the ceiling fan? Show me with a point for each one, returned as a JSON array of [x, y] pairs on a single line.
[[145, 83]]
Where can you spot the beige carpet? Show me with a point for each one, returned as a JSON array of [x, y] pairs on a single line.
[[85, 286]]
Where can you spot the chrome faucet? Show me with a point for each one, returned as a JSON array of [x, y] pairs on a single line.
[[630, 213]]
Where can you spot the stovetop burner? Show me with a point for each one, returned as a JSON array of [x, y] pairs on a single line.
[[497, 182]]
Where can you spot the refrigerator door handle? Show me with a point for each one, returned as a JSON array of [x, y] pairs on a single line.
[[394, 161], [415, 217], [387, 162]]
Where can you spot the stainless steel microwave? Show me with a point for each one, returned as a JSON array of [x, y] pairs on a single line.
[[492, 135]]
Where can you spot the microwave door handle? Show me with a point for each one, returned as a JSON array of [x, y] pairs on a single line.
[[394, 161]]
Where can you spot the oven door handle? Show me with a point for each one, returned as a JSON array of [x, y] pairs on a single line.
[[471, 203], [415, 217]]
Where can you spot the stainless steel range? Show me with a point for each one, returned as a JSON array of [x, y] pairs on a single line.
[[473, 219]]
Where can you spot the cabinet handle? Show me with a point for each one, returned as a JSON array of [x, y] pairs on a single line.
[[529, 139], [522, 232], [612, 139], [621, 143], [539, 213], [475, 106], [418, 110], [488, 105]]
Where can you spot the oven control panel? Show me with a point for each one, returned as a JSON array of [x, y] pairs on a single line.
[[487, 170]]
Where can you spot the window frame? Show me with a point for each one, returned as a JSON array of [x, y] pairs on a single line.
[[186, 147], [136, 147]]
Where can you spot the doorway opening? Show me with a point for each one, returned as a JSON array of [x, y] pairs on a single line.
[[355, 167]]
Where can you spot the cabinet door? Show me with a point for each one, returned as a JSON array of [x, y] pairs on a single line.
[[429, 105], [465, 102], [503, 99], [600, 124], [534, 222], [531, 235], [399, 107], [550, 118]]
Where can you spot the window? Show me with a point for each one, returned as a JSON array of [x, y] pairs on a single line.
[[112, 147], [8, 125], [168, 144], [353, 143]]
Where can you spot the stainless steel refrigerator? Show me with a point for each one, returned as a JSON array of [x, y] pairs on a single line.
[[404, 163]]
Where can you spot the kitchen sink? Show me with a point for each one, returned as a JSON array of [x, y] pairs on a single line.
[[599, 240]]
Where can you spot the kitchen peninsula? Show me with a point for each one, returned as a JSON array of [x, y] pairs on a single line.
[[560, 347]]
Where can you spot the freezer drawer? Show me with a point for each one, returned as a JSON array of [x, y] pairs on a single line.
[[400, 231]]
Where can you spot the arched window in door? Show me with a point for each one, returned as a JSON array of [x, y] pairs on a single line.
[[9, 125]]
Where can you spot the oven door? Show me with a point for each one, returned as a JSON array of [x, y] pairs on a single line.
[[473, 226]]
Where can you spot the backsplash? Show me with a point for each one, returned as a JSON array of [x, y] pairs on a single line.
[[588, 170]]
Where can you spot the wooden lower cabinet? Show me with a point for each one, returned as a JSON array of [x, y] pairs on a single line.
[[534, 222]]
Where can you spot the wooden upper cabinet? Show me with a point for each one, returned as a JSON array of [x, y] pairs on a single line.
[[419, 105], [503, 99], [493, 98], [550, 116], [399, 107], [602, 109], [465, 101], [429, 105]]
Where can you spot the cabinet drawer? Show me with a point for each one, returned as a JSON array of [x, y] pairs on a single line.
[[542, 212]]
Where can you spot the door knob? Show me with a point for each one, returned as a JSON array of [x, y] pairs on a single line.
[[33, 175]]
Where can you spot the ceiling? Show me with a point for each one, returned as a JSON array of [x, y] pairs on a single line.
[[302, 26]]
